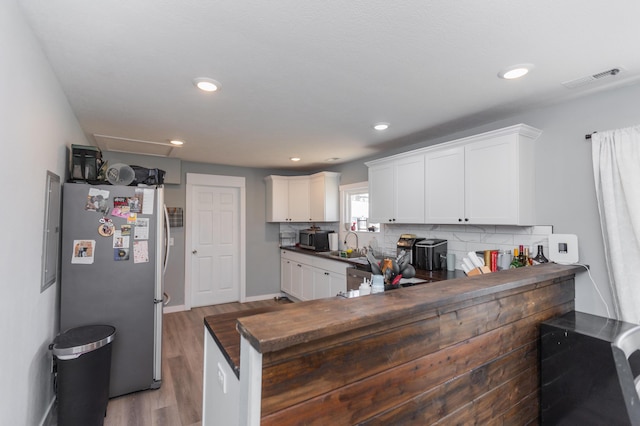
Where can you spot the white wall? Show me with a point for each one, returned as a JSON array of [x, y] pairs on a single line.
[[36, 123]]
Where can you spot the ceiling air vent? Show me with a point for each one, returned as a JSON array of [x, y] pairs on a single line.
[[132, 146], [583, 81]]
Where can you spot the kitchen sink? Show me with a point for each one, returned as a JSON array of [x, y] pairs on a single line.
[[353, 257], [343, 254]]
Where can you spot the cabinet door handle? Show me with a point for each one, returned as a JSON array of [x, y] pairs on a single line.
[[459, 219], [466, 219], [326, 273]]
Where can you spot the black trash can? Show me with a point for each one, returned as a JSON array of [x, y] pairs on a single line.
[[82, 357]]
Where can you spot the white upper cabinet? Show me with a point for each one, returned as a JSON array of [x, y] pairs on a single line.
[[312, 198], [483, 179], [324, 197], [444, 186], [396, 190], [499, 182], [277, 198], [381, 194], [298, 199]]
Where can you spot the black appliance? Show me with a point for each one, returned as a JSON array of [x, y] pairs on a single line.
[[578, 378], [430, 254], [315, 239], [407, 242], [86, 162]]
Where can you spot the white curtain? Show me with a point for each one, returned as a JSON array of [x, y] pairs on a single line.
[[616, 168]]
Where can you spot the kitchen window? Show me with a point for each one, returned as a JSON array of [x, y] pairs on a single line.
[[355, 201]]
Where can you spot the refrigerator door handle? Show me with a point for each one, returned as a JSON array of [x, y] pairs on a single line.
[[167, 246], [165, 299]]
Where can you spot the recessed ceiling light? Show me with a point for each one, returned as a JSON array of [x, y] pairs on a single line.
[[381, 126], [206, 84], [294, 158], [177, 142], [515, 71], [332, 159]]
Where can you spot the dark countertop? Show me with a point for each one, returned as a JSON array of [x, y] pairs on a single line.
[[222, 327], [427, 276]]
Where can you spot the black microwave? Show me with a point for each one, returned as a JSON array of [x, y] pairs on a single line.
[[315, 239]]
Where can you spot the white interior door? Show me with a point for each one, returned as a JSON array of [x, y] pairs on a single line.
[[215, 250]]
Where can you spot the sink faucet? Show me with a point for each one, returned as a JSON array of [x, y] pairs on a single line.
[[347, 236]]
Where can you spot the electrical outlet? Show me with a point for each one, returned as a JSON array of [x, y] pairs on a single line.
[[222, 379]]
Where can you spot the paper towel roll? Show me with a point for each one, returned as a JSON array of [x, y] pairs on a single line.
[[333, 241]]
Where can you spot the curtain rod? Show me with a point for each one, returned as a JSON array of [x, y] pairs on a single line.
[[587, 137]]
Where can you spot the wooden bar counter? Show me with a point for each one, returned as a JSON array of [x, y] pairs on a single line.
[[458, 351]]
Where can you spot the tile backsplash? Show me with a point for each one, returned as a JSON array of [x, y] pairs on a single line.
[[461, 239]]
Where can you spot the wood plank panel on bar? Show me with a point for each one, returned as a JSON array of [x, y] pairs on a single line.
[[363, 399], [463, 351], [303, 377]]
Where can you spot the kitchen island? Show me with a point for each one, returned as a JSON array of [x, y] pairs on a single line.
[[457, 351]]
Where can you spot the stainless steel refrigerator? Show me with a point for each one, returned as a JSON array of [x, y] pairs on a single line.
[[113, 254]]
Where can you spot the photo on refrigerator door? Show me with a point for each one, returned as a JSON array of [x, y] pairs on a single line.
[[83, 251]]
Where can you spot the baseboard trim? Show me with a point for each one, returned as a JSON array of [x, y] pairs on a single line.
[[180, 308], [177, 308], [47, 419], [262, 297]]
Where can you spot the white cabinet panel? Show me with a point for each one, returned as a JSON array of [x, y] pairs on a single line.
[[296, 280], [396, 191], [299, 199], [486, 179], [491, 176], [312, 198], [381, 197], [308, 277], [277, 199], [409, 189], [285, 274], [307, 282], [324, 197], [444, 186]]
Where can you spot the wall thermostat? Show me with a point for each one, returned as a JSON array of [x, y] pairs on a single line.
[[563, 248]]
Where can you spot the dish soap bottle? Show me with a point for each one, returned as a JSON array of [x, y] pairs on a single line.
[[540, 256]]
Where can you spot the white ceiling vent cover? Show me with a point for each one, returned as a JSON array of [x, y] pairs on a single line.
[[583, 81], [133, 146]]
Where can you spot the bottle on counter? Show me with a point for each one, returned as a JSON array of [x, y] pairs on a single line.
[[540, 258], [515, 262], [522, 260], [365, 288], [527, 258]]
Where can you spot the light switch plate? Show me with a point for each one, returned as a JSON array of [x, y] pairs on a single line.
[[222, 379], [563, 248]]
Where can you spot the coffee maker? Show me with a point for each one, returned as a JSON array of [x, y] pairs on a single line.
[[407, 242]]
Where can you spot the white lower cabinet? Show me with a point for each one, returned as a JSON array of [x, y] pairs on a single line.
[[308, 280], [285, 274], [308, 277]]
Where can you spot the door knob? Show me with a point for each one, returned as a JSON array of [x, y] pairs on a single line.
[[194, 251]]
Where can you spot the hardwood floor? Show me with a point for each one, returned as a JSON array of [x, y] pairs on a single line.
[[178, 402]]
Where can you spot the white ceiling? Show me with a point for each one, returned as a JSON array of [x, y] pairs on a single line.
[[309, 78]]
